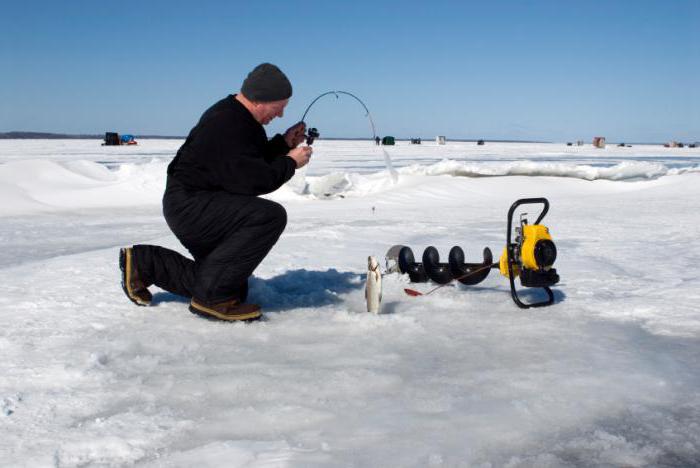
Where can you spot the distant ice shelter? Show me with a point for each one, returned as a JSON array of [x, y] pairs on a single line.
[[127, 140], [440, 139], [388, 140], [113, 139], [599, 142]]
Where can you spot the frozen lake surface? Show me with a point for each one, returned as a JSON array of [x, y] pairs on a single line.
[[607, 376]]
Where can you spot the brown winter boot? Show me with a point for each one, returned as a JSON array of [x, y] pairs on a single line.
[[132, 284], [229, 311]]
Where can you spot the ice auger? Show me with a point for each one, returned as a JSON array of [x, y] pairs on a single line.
[[529, 255]]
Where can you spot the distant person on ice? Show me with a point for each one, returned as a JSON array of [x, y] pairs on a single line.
[[212, 206]]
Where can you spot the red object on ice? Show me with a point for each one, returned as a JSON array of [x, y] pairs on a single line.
[[412, 292]]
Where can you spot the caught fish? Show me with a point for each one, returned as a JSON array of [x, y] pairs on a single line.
[[373, 287]]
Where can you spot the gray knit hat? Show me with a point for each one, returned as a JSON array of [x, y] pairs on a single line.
[[266, 83]]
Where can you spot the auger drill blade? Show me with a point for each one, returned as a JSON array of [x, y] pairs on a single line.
[[469, 273], [408, 264], [436, 271]]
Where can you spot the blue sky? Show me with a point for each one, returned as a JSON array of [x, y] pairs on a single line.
[[547, 70]]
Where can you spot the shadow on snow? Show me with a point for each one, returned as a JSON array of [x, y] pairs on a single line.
[[302, 288], [292, 289]]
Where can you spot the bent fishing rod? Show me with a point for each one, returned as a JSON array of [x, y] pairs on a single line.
[[313, 132]]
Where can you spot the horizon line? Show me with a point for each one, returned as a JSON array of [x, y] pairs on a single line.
[[34, 135]]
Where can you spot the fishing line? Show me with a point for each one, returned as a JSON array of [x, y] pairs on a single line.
[[313, 132], [413, 292]]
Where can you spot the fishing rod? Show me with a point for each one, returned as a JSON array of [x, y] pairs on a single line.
[[313, 132]]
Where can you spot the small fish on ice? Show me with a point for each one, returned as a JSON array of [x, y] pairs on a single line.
[[373, 287]]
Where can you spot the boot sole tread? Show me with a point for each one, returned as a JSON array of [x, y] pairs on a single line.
[[250, 317], [122, 267]]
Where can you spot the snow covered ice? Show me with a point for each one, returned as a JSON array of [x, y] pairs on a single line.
[[608, 376]]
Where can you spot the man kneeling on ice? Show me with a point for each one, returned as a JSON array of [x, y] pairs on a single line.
[[212, 206]]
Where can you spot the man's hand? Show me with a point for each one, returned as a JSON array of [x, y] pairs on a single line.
[[295, 134], [301, 155]]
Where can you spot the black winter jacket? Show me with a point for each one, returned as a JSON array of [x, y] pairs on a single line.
[[229, 150]]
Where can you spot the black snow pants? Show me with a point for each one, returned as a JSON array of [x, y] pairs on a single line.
[[228, 236]]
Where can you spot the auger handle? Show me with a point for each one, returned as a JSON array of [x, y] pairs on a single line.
[[511, 254], [527, 201]]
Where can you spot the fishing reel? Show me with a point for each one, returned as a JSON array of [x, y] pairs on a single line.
[[311, 135], [531, 255]]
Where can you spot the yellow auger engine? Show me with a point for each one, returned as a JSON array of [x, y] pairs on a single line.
[[530, 256]]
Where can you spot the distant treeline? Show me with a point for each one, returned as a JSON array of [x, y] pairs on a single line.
[[65, 136]]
